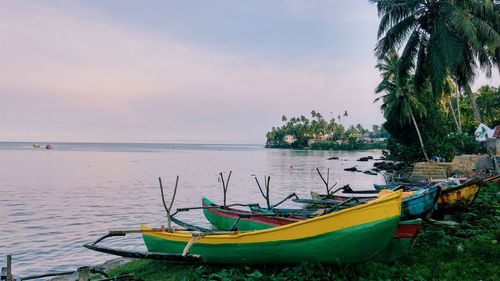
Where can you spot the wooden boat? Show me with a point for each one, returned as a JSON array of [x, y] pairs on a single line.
[[458, 196], [226, 219], [402, 185], [231, 219], [348, 236], [418, 203], [492, 178]]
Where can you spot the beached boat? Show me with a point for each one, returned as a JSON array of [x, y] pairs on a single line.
[[228, 218], [348, 236], [492, 178], [453, 197], [418, 203], [400, 185]]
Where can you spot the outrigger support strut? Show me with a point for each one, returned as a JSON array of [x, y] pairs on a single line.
[[194, 239], [175, 258]]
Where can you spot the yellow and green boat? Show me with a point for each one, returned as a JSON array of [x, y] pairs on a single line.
[[351, 235]]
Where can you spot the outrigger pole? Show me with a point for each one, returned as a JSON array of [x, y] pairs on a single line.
[[169, 217], [225, 185], [266, 186], [327, 181]]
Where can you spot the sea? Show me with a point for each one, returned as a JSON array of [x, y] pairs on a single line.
[[52, 201]]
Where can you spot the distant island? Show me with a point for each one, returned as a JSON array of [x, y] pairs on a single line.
[[320, 134]]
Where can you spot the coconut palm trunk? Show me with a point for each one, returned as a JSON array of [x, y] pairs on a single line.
[[473, 104], [419, 136], [454, 115], [458, 111]]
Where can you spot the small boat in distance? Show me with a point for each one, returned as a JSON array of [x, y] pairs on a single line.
[[35, 145], [49, 146]]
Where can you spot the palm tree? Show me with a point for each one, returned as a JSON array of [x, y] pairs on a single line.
[[440, 37], [449, 90], [399, 101]]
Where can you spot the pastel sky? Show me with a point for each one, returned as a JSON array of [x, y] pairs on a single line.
[[182, 71]]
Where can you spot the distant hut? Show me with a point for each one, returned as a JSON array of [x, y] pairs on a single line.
[[289, 139]]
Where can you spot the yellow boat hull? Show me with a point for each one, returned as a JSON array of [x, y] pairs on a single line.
[[348, 236], [459, 197]]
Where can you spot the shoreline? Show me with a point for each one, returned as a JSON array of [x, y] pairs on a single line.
[[465, 249]]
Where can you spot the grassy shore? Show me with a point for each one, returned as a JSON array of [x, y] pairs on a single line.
[[466, 251]]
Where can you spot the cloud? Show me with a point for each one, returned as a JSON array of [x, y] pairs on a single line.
[[81, 74]]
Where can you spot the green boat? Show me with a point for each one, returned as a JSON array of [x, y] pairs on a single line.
[[230, 219], [351, 235]]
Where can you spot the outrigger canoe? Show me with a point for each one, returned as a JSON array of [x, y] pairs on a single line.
[[226, 218], [351, 235], [229, 218]]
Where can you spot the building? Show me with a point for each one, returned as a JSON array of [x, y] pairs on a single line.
[[289, 139], [317, 139]]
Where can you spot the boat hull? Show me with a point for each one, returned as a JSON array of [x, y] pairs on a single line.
[[404, 239], [458, 197], [416, 204], [224, 219], [349, 236], [421, 204]]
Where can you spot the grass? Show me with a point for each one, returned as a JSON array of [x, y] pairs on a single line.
[[467, 252]]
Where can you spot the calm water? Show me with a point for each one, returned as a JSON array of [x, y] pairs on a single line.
[[53, 201]]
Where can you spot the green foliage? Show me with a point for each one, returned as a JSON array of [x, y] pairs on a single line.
[[439, 133], [349, 145], [330, 134], [150, 270], [438, 38], [441, 45], [488, 102]]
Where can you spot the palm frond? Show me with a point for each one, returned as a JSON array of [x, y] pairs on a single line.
[[395, 35], [410, 51]]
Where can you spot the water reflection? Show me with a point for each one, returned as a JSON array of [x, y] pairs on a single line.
[[53, 201]]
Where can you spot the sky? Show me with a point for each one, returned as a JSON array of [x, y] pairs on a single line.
[[183, 71]]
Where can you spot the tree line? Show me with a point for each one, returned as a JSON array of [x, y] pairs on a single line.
[[320, 133], [429, 53]]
